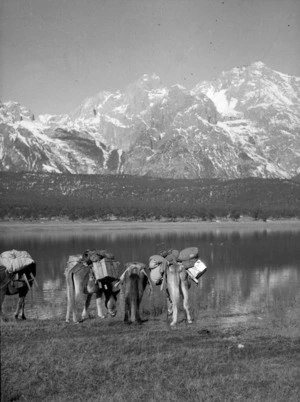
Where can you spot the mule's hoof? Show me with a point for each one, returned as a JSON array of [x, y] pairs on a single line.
[[76, 321], [137, 322], [190, 321], [101, 316], [173, 324]]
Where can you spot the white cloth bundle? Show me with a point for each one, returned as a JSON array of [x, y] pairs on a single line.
[[15, 260]]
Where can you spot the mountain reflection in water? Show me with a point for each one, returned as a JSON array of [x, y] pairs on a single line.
[[248, 271]]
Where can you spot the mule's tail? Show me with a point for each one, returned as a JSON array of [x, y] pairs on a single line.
[[173, 283], [134, 296], [70, 294]]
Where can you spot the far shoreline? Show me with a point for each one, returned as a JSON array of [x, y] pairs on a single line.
[[46, 225]]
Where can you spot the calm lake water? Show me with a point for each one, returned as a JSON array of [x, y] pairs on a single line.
[[248, 269]]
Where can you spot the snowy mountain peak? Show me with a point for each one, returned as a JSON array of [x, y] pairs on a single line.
[[241, 89], [90, 107], [12, 112], [179, 87], [244, 123], [146, 82], [258, 64]]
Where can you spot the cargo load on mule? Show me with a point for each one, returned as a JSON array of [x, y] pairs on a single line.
[[102, 264], [157, 266], [159, 262], [14, 260], [18, 264], [188, 258], [74, 260]]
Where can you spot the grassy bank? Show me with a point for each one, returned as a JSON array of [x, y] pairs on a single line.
[[120, 225], [106, 360]]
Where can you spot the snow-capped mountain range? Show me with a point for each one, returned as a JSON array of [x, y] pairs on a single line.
[[245, 123]]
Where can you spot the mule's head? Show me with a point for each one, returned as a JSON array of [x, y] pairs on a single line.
[[111, 301]]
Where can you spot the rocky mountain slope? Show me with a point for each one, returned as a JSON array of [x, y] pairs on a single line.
[[244, 124]]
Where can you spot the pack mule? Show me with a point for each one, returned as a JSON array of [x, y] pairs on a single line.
[[81, 281]]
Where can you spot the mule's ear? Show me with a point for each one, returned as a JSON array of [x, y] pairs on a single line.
[[116, 292]]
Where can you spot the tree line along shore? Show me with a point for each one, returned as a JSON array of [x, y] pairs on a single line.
[[32, 196]]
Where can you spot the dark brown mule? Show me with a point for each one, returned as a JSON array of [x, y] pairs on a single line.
[[10, 285], [80, 281], [135, 281]]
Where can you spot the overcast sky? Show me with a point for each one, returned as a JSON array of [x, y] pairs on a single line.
[[55, 53]]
